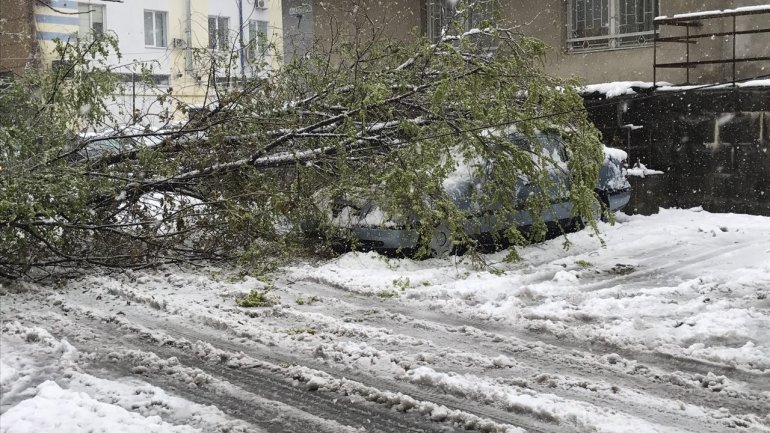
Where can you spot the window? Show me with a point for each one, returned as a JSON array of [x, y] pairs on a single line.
[[442, 13], [257, 40], [218, 32], [154, 29], [439, 15], [90, 19], [610, 24]]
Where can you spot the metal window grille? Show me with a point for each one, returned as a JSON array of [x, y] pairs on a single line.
[[442, 14], [610, 24], [439, 16]]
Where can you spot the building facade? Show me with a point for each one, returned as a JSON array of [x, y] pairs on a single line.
[[596, 40], [612, 40], [176, 39]]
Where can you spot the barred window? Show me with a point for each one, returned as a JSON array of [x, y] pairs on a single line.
[[610, 24], [443, 14]]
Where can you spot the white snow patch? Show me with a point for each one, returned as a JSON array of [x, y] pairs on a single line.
[[64, 411], [640, 170]]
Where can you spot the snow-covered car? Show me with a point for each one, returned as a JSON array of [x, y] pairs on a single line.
[[126, 142], [364, 221], [107, 146]]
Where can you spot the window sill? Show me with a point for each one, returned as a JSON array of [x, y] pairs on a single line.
[[605, 49], [614, 42]]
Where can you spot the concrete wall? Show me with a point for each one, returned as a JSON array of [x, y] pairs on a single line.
[[17, 36], [298, 18], [332, 21], [398, 19], [712, 144]]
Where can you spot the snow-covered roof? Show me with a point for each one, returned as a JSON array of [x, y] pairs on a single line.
[[717, 13], [620, 88], [617, 88]]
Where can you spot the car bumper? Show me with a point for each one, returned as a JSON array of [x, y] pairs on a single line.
[[617, 199], [383, 238]]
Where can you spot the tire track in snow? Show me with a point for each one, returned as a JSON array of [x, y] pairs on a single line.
[[146, 312], [177, 336], [554, 355], [590, 369]]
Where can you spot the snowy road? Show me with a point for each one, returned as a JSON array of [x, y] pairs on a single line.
[[664, 328]]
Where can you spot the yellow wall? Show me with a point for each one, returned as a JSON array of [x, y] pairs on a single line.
[[50, 24]]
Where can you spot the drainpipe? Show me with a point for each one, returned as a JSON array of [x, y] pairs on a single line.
[[188, 37], [242, 54]]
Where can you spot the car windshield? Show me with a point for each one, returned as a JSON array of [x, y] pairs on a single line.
[[106, 146], [548, 146]]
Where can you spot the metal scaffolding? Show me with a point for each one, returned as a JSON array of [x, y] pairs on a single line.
[[696, 20]]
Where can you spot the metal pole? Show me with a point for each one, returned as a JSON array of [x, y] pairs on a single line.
[[628, 143], [188, 37], [655, 56], [133, 95], [734, 50], [687, 42], [240, 38]]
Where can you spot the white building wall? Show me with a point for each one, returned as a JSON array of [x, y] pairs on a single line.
[[126, 20]]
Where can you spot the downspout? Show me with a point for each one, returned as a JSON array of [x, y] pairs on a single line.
[[34, 45], [240, 36], [188, 37]]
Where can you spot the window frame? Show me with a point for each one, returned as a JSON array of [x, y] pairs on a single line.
[[438, 13], [89, 13], [257, 42], [613, 38], [154, 32], [222, 36]]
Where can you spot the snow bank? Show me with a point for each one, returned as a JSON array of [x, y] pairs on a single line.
[[43, 390], [677, 289], [64, 411], [683, 282]]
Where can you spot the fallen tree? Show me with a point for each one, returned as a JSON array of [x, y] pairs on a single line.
[[362, 114]]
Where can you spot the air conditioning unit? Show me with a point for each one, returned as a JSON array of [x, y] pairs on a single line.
[[260, 4], [179, 43]]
